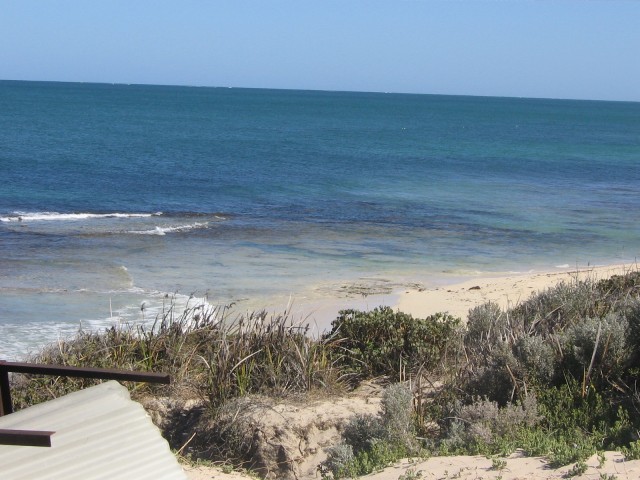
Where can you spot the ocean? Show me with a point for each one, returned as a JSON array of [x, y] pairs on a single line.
[[115, 195]]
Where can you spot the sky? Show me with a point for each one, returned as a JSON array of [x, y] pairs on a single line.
[[584, 49]]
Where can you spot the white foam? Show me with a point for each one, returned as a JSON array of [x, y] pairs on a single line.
[[165, 230], [564, 265], [19, 340], [49, 216], [462, 272]]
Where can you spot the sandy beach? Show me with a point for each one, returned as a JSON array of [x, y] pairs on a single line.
[[506, 290], [456, 298]]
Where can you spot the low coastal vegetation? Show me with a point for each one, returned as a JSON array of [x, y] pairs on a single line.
[[555, 376]]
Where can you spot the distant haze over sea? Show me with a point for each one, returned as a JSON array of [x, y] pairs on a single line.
[[113, 195]]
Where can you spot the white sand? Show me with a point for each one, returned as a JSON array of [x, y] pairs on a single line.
[[506, 291], [208, 473], [455, 298], [518, 467]]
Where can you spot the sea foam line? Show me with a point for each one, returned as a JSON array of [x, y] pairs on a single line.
[[48, 216]]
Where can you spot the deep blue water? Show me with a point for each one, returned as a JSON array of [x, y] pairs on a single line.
[[252, 195]]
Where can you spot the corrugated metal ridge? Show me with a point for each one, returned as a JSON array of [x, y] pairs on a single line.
[[100, 434]]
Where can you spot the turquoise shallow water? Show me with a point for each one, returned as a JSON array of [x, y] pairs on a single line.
[[113, 194]]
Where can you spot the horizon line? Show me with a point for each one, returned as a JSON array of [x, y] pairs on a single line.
[[381, 92]]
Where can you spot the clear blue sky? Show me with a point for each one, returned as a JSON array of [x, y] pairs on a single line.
[[545, 48]]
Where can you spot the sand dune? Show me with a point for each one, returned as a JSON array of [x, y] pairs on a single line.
[[457, 299]]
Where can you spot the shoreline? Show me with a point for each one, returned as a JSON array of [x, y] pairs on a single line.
[[455, 298], [419, 297], [505, 290]]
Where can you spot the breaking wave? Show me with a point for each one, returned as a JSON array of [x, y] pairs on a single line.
[[177, 229]]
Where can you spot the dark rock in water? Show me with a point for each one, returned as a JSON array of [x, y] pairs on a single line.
[[475, 288]]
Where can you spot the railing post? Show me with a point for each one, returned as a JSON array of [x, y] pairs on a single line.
[[6, 406]]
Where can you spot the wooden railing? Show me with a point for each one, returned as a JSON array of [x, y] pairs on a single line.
[[41, 438], [25, 438]]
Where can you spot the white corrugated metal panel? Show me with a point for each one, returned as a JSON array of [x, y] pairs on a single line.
[[100, 434]]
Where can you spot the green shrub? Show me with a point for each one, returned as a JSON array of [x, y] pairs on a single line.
[[596, 348], [395, 424], [374, 442], [379, 456], [566, 408], [561, 448], [411, 474], [578, 469], [498, 464], [556, 308], [619, 287], [384, 342], [398, 418], [504, 362], [631, 311], [340, 462], [569, 408], [362, 430], [537, 360], [483, 426], [494, 379], [632, 452], [487, 327]]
